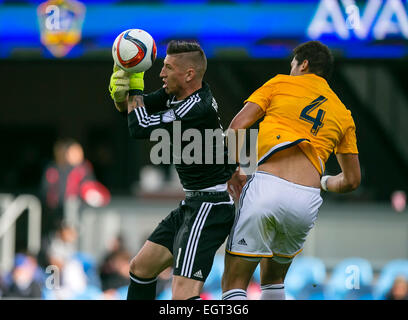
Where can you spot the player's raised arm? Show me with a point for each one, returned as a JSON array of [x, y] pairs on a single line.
[[249, 114], [350, 177]]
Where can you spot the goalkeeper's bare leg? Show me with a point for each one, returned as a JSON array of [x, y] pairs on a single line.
[[151, 260]]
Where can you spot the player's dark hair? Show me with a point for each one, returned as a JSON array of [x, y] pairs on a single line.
[[319, 56], [182, 46]]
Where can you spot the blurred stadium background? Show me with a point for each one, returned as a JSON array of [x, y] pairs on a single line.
[[55, 64]]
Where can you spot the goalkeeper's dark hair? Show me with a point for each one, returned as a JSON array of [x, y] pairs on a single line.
[[182, 46], [197, 56], [319, 56]]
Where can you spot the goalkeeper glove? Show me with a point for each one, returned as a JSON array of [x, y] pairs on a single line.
[[119, 84], [136, 84], [122, 82]]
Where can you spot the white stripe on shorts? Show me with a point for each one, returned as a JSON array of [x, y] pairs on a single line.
[[198, 237], [193, 239]]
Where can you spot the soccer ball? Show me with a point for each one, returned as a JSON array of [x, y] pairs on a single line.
[[134, 50]]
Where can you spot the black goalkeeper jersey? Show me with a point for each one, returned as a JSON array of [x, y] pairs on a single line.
[[197, 111]]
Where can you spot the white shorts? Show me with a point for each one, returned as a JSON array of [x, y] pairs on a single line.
[[274, 217]]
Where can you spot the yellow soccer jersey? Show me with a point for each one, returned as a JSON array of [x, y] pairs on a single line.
[[303, 110]]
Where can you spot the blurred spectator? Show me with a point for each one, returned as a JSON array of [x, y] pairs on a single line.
[[72, 279], [69, 175], [52, 189], [399, 290], [114, 269], [25, 280], [63, 245]]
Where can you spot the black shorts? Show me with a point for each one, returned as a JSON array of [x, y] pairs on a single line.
[[194, 231]]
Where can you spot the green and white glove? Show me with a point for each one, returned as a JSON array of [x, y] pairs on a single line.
[[119, 84]]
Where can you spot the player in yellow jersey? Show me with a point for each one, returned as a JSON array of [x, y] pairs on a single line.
[[304, 123]]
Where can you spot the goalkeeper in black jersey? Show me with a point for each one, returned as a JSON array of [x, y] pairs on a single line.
[[188, 238]]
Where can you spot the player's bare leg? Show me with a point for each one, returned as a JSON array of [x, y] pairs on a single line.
[[151, 260], [238, 272], [273, 275], [185, 288]]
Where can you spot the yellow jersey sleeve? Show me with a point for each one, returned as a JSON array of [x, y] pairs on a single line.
[[263, 96], [348, 144]]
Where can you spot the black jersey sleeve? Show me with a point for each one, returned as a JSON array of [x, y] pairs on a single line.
[[155, 101], [141, 124]]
